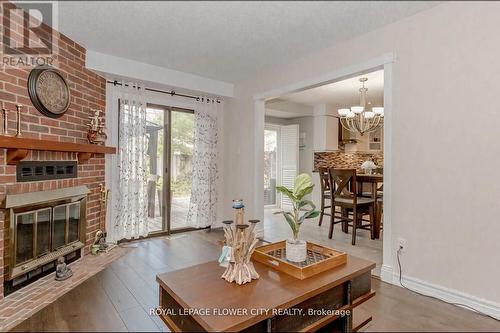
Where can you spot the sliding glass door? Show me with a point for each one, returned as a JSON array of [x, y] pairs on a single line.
[[170, 153], [181, 158], [155, 129]]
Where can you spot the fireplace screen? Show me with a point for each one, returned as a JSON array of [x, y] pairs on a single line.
[[42, 231], [43, 226]]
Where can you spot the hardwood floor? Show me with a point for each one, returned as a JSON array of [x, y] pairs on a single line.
[[119, 298]]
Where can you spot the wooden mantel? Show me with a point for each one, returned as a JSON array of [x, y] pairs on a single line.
[[18, 148]]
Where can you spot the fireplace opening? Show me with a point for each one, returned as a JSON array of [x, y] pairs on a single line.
[[43, 226]]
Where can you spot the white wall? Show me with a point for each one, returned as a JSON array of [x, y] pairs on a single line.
[[277, 121], [287, 109], [444, 80], [325, 128], [152, 76]]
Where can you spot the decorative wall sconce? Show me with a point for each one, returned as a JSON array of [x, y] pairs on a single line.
[[5, 122]]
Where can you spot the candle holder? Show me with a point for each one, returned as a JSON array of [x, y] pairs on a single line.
[[5, 127], [239, 210], [5, 121], [241, 241], [19, 108]]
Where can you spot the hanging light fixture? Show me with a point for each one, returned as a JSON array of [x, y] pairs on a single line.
[[358, 118]]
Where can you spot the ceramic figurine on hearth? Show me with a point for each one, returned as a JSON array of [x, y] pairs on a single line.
[[102, 244], [96, 134], [63, 272]]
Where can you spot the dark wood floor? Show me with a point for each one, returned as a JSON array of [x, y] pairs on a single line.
[[119, 298]]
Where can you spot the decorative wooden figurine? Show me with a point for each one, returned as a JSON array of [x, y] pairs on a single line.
[[242, 241], [96, 134]]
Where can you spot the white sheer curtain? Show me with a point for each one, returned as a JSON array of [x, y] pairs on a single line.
[[203, 204], [129, 200]]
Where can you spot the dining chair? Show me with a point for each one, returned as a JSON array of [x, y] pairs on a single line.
[[379, 211], [379, 204], [326, 194], [343, 194], [368, 194]]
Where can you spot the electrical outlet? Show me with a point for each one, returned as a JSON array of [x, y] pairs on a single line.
[[402, 244]]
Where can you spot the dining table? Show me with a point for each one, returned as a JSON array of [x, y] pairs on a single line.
[[373, 179]]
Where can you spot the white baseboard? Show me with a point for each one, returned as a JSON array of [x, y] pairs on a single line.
[[259, 233], [443, 293], [386, 274]]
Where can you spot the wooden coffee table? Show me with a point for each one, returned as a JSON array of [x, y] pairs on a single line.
[[196, 299]]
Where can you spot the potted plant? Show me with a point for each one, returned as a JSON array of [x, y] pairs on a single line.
[[296, 249]]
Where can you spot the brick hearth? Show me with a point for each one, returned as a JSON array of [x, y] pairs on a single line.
[[87, 92], [23, 303]]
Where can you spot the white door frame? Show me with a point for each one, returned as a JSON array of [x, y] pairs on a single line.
[[383, 62]]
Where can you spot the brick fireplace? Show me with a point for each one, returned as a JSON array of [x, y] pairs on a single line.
[[87, 92]]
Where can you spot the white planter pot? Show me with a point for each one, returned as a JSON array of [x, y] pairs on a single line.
[[296, 251]]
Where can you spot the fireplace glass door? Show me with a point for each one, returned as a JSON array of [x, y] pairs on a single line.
[[40, 232], [32, 234], [73, 222], [43, 232], [25, 231], [59, 227]]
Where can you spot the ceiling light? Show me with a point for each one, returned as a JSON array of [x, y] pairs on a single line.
[[358, 118]]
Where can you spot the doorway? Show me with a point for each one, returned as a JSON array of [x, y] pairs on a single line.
[[384, 62], [170, 133]]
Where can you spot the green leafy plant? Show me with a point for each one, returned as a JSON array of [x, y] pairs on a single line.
[[302, 186]]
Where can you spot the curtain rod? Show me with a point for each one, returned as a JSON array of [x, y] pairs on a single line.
[[171, 92]]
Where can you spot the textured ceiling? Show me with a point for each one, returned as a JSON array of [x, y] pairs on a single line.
[[227, 41]]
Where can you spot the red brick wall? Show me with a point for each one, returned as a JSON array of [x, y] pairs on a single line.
[[87, 92]]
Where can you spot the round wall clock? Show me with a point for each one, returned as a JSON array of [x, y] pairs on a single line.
[[48, 91]]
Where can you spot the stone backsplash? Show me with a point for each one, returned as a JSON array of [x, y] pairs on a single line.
[[345, 160]]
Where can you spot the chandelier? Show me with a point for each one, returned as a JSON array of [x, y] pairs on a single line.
[[358, 118]]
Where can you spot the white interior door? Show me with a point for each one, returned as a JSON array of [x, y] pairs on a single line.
[[289, 159]]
